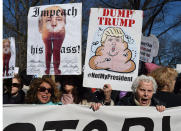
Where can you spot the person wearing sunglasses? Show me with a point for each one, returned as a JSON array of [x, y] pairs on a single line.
[[43, 91], [15, 93]]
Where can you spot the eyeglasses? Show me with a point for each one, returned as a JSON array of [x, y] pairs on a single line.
[[43, 89], [16, 85]]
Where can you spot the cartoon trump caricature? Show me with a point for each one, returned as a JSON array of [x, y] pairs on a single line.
[[6, 56], [52, 28], [113, 54]]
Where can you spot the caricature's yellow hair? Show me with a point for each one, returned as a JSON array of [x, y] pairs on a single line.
[[48, 9], [114, 32]]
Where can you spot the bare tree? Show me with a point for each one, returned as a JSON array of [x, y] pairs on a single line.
[[15, 14], [155, 13]]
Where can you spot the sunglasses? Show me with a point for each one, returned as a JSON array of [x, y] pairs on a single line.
[[16, 85], [43, 89]]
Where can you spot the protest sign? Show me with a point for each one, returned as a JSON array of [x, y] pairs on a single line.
[[81, 118], [54, 42], [149, 48], [178, 68], [16, 70], [113, 47], [9, 57]]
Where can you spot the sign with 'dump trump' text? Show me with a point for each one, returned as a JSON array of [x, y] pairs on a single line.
[[113, 47], [54, 42]]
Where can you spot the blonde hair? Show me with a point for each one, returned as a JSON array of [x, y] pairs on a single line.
[[112, 31], [164, 76]]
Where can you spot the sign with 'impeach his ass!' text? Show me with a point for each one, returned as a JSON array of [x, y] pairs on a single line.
[[54, 42], [113, 47]]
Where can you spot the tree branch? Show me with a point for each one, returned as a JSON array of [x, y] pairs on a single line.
[[25, 5], [146, 3], [12, 27], [158, 5], [154, 16], [131, 3], [35, 2], [108, 5], [9, 10], [171, 27]]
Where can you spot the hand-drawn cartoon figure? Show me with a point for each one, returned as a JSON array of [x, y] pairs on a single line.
[[6, 55], [52, 28], [113, 54]]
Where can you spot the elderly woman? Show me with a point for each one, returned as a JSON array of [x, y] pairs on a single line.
[[166, 78], [143, 89], [43, 91]]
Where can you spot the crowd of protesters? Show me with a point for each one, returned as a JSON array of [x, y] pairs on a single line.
[[159, 87]]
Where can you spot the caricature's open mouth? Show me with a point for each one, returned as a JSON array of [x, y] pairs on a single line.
[[113, 48], [113, 52]]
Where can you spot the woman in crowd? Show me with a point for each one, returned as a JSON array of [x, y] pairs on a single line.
[[74, 93], [15, 94], [43, 91], [69, 93], [166, 78], [143, 89]]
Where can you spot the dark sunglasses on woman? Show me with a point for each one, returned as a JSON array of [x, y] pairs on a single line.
[[43, 89], [16, 85]]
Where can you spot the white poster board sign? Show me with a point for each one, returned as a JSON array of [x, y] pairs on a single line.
[[149, 48], [9, 57], [178, 68], [54, 40], [16, 70], [113, 47], [81, 118]]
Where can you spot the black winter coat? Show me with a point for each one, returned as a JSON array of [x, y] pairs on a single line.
[[19, 99]]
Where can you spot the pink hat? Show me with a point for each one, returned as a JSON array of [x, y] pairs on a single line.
[[150, 67]]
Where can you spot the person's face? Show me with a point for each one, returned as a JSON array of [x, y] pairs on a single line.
[[69, 88], [144, 93], [113, 41], [6, 47], [54, 23], [44, 93], [114, 45], [15, 86]]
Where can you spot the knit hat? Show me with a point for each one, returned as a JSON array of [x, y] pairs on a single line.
[[150, 67]]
